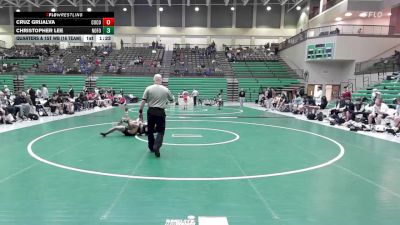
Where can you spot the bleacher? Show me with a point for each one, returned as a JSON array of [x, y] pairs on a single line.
[[130, 85], [127, 55], [252, 86], [52, 81], [195, 62], [23, 64], [389, 90], [6, 80], [254, 76], [268, 69], [252, 53], [207, 87]]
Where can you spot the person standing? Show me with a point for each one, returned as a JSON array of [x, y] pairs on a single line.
[[71, 91], [157, 97], [195, 94], [185, 96], [268, 96], [32, 95], [45, 92], [242, 96], [318, 96]]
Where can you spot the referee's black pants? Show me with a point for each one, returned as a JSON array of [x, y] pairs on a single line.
[[194, 100], [156, 124]]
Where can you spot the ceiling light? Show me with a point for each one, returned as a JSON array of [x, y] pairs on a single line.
[[364, 14], [53, 10], [232, 8], [338, 19], [389, 14], [18, 10], [348, 14], [196, 8], [298, 8], [161, 9], [269, 8], [89, 9], [124, 9]]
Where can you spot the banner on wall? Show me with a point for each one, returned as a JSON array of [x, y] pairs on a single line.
[[320, 51]]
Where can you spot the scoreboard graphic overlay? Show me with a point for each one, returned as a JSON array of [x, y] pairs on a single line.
[[63, 27]]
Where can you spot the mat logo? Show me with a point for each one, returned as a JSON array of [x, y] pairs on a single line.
[[189, 221]]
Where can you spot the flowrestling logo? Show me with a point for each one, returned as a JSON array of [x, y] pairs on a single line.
[[191, 220]]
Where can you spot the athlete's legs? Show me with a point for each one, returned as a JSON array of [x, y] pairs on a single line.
[[116, 128]]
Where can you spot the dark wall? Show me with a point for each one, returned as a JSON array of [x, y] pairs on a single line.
[[268, 19], [292, 18], [122, 18], [196, 19], [221, 15], [4, 16], [244, 16], [145, 16], [171, 16]]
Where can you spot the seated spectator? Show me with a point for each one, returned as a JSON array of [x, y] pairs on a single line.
[[7, 91], [81, 102], [349, 109], [396, 116], [55, 104], [296, 103], [379, 112], [359, 109], [68, 104], [324, 102], [346, 93], [375, 94], [7, 112], [340, 106], [21, 101]]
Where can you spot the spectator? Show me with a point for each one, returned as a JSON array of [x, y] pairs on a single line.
[[349, 109], [55, 104], [38, 92], [7, 91], [375, 94], [379, 112], [22, 104], [45, 92], [297, 103], [8, 112], [71, 92], [346, 93], [397, 114], [269, 97], [195, 95], [242, 96], [340, 106], [59, 91], [318, 96], [32, 95]]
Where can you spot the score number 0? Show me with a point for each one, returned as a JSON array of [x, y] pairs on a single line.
[[108, 22]]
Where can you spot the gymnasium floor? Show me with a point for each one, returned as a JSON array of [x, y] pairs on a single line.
[[251, 167]]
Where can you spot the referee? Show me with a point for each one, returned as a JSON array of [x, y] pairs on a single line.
[[157, 97]]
